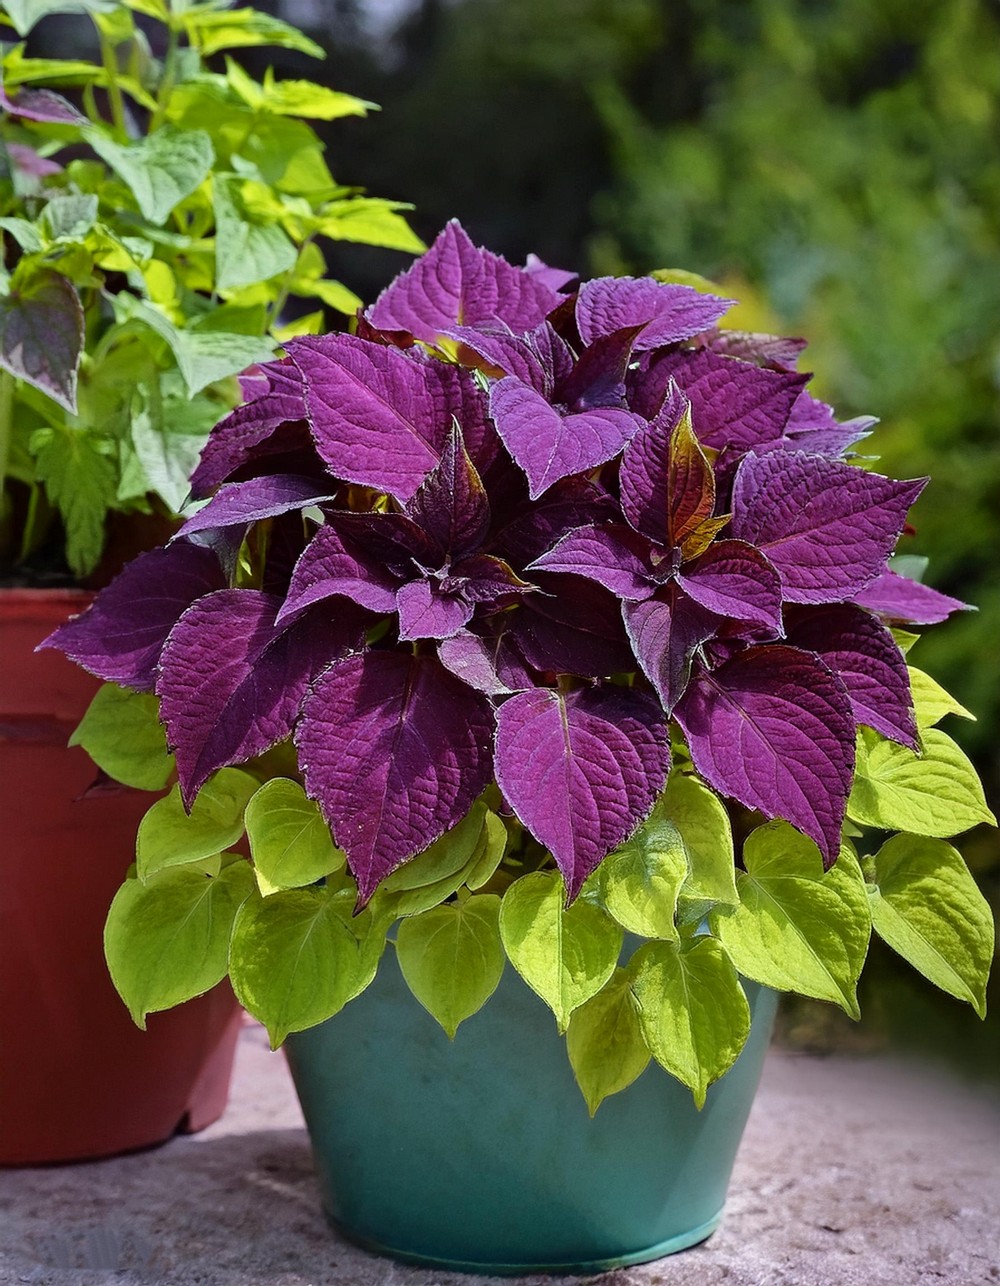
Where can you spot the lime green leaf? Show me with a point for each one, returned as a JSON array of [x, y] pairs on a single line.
[[434, 874], [290, 842], [122, 733], [168, 940], [168, 435], [566, 955], [797, 927], [682, 277], [307, 324], [332, 293], [604, 1040], [24, 14], [931, 702], [937, 793], [641, 879], [694, 1015], [80, 481], [203, 356], [161, 169], [452, 958], [704, 824], [495, 846], [371, 221], [905, 639], [245, 251], [294, 97], [926, 906], [212, 31], [169, 836], [293, 961]]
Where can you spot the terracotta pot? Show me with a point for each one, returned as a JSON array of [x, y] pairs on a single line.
[[77, 1078]]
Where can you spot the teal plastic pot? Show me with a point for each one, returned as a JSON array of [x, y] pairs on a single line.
[[479, 1154]]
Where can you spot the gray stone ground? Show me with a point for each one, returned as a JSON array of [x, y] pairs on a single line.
[[853, 1172]]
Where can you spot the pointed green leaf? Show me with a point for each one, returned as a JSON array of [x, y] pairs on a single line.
[[641, 879], [926, 906], [168, 940], [246, 250], [293, 962], [203, 356], [168, 435], [290, 843], [493, 850], [80, 481], [604, 1040], [371, 221], [24, 14], [169, 836], [937, 793], [70, 216], [452, 958], [433, 875], [566, 955], [797, 927], [160, 169], [41, 335], [122, 733], [212, 31], [694, 1015], [931, 702], [704, 825]]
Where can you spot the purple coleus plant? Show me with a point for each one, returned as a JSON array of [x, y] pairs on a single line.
[[512, 531]]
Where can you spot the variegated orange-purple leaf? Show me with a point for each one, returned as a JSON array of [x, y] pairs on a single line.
[[899, 599], [394, 749], [665, 632], [581, 770], [735, 581], [667, 313]]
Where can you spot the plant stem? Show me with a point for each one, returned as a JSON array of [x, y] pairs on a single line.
[[115, 98], [286, 285], [169, 75]]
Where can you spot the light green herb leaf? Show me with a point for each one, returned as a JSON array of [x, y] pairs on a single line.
[[931, 702], [937, 793], [122, 733], [640, 880], [69, 216], [692, 1010], [372, 222], [704, 825], [332, 293], [682, 277], [292, 961], [565, 954], [160, 169], [452, 958], [24, 232], [168, 836], [926, 906], [203, 356], [797, 927], [168, 435], [290, 842], [212, 31], [24, 14], [606, 1047], [80, 480], [168, 940], [246, 250]]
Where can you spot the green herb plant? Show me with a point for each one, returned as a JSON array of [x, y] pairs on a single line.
[[156, 215]]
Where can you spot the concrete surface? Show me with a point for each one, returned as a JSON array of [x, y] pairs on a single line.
[[852, 1173]]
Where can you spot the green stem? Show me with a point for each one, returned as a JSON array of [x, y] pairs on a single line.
[[115, 98], [286, 284], [169, 75]]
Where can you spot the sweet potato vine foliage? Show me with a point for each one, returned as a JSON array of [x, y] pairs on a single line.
[[509, 530]]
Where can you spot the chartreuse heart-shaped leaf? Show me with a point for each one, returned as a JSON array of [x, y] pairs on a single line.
[[640, 880], [931, 702], [926, 905], [704, 826], [428, 879], [564, 954], [122, 734], [494, 847], [452, 957], [293, 961], [692, 1010], [168, 940], [936, 793], [606, 1047], [169, 836], [290, 843], [798, 928]]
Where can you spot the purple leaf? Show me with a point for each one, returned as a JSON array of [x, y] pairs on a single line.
[[665, 632], [41, 105], [275, 395], [554, 278], [775, 351], [549, 446], [121, 635], [488, 579], [231, 680], [773, 729], [415, 740], [812, 426], [667, 313], [486, 659], [736, 581], [392, 539], [451, 504], [241, 503], [575, 502], [378, 417], [733, 403], [506, 354], [581, 770], [428, 612], [827, 527], [898, 598], [573, 626], [28, 161], [598, 378], [42, 334], [869, 663], [456, 283], [331, 566], [612, 555]]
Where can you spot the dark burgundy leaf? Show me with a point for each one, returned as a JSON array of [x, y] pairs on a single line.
[[773, 729], [734, 580], [573, 626], [581, 770], [451, 504], [489, 580], [667, 313], [534, 528], [120, 636], [827, 527], [612, 554], [395, 749], [598, 378], [241, 503], [867, 658], [331, 566], [426, 611], [665, 632], [485, 658], [42, 334], [393, 539], [898, 598]]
